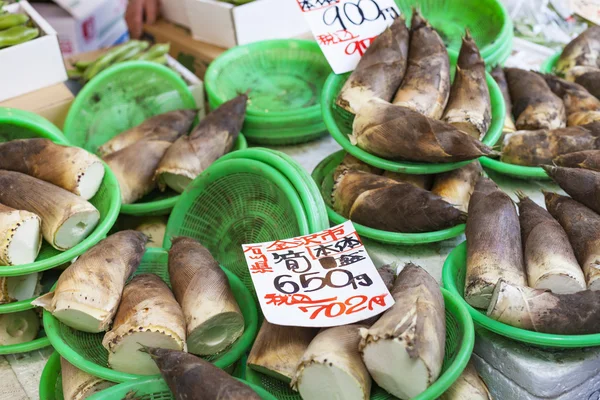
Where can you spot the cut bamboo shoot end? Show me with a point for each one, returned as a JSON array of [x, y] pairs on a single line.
[[26, 241], [176, 182], [391, 367], [80, 316], [560, 283], [23, 287], [216, 334], [126, 357], [323, 381], [19, 327], [76, 228], [509, 304], [90, 180]]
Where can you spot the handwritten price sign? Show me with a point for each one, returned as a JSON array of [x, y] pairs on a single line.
[[318, 280], [345, 28]]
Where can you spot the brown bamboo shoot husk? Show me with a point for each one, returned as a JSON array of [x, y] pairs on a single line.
[[584, 50], [420, 181], [587, 159], [588, 77], [498, 75], [349, 162], [468, 386], [79, 385], [582, 108], [581, 184], [456, 187]]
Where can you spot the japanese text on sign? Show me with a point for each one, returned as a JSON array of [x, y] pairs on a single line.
[[344, 29], [319, 280]]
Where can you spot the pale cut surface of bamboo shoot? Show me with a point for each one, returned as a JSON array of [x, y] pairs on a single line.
[[469, 108], [457, 186], [399, 133], [67, 219], [543, 311], [212, 315], [468, 386], [19, 327], [70, 168], [278, 349], [583, 229], [426, 84], [20, 236], [498, 75], [134, 167], [154, 228], [494, 248], [168, 127], [549, 259], [18, 288], [379, 71], [331, 367], [147, 316], [404, 349], [584, 50], [89, 290], [214, 137], [581, 107], [79, 385]]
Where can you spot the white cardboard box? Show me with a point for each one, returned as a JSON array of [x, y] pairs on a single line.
[[88, 25], [31, 65], [226, 25], [175, 11]]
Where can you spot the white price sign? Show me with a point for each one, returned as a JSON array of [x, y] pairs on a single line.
[[344, 29], [318, 280]]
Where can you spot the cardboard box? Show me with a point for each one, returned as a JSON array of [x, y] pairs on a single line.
[[226, 25], [88, 25], [192, 54], [52, 103], [32, 65], [175, 11]]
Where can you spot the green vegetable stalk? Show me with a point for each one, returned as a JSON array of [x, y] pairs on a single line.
[[155, 51], [10, 20], [109, 58], [17, 35]]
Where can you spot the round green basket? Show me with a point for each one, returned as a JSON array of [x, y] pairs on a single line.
[[285, 79], [323, 176], [339, 122], [16, 124], [487, 20], [85, 350], [235, 202], [119, 98], [314, 207], [151, 388], [453, 277], [549, 64], [460, 338], [516, 171]]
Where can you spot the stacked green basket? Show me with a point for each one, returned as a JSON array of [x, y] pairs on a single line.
[[151, 388], [17, 124], [248, 196], [121, 97], [284, 79]]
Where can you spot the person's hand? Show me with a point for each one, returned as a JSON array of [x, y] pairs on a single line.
[[136, 11]]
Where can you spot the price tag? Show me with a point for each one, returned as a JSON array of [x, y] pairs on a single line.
[[344, 29], [318, 280]]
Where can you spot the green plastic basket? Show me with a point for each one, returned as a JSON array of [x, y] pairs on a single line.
[[314, 207], [487, 20], [323, 176], [235, 202], [285, 79], [550, 63], [17, 124], [339, 122], [460, 338], [152, 388], [453, 277], [119, 98], [49, 278], [85, 350]]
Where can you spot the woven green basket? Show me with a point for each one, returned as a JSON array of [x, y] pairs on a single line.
[[285, 79], [235, 202], [85, 350], [487, 20], [309, 193], [550, 63], [323, 176], [339, 122], [152, 388], [119, 98], [453, 277], [16, 124], [460, 338]]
